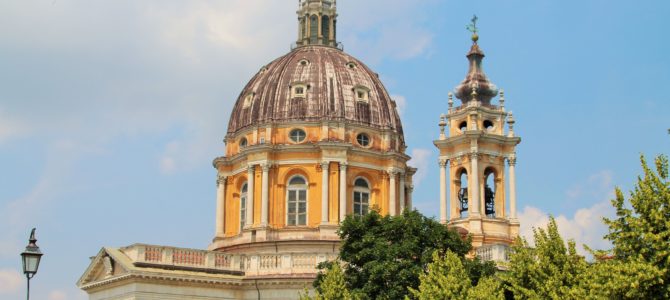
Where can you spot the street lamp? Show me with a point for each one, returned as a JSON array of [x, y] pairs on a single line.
[[31, 259]]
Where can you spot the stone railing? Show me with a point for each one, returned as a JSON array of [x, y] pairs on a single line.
[[496, 253], [238, 264]]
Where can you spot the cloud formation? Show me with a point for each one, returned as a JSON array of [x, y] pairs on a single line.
[[10, 281], [585, 226], [420, 160]]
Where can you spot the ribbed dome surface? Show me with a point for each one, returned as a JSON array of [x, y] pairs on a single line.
[[331, 78]]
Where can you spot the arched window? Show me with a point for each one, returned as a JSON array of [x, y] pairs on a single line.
[[463, 193], [325, 28], [243, 205], [490, 193], [296, 198], [361, 197], [313, 29]]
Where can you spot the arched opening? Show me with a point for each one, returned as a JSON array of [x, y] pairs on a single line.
[[463, 126], [243, 205], [313, 29], [361, 197], [296, 200], [325, 28], [490, 192], [463, 193], [488, 125]]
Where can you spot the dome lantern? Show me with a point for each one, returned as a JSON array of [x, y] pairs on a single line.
[[317, 22]]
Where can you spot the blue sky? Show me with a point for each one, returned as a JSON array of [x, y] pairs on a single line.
[[112, 111]]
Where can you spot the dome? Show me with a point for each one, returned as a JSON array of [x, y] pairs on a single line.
[[315, 83], [476, 80]]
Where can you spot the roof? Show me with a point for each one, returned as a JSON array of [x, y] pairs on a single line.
[[331, 79]]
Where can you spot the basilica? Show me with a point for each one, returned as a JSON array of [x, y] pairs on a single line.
[[313, 137]]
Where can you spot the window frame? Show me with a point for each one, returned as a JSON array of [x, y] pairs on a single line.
[[243, 204], [297, 141], [367, 136], [297, 188], [361, 191]]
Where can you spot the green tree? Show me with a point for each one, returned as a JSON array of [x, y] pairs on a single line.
[[447, 278], [640, 234], [550, 270], [332, 286], [384, 255]]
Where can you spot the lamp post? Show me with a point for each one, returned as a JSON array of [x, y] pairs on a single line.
[[31, 259]]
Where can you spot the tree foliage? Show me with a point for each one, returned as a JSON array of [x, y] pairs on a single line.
[[640, 234], [447, 278], [550, 270], [382, 255], [332, 286]]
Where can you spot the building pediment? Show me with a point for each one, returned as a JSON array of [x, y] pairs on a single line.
[[108, 265]]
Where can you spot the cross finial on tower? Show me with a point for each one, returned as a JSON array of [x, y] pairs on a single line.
[[472, 27]]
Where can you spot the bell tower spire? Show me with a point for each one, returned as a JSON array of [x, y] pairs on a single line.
[[317, 22], [473, 154]]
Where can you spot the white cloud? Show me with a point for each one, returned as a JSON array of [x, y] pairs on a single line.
[[585, 226], [401, 103], [392, 31], [10, 281], [57, 295], [420, 159]]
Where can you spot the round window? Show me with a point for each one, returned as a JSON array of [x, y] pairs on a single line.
[[243, 142], [363, 139], [297, 135]]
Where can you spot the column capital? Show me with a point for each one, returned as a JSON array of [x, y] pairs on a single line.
[[221, 179], [511, 161], [394, 171], [475, 154], [343, 166], [251, 168], [266, 166], [442, 162], [324, 164]]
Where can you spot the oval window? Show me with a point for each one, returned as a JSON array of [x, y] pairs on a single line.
[[243, 142], [363, 139], [297, 135]]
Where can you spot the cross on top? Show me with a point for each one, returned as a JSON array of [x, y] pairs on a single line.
[[472, 27]]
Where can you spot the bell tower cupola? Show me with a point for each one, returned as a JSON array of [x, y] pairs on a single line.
[[317, 22], [476, 141]]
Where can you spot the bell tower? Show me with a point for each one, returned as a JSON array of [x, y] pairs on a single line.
[[317, 22], [475, 193]]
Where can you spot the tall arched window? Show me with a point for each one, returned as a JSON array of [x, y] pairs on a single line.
[[490, 193], [361, 197], [463, 193], [313, 29], [243, 205], [296, 199], [325, 28]]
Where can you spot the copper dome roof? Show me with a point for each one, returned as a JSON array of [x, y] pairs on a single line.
[[331, 79]]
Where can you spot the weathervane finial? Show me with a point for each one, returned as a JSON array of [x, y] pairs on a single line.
[[472, 27]]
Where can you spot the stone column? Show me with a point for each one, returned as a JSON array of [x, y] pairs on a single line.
[[324, 192], [473, 191], [443, 190], [265, 201], [220, 206], [512, 187], [392, 191], [250, 196], [402, 192], [343, 191], [410, 189]]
